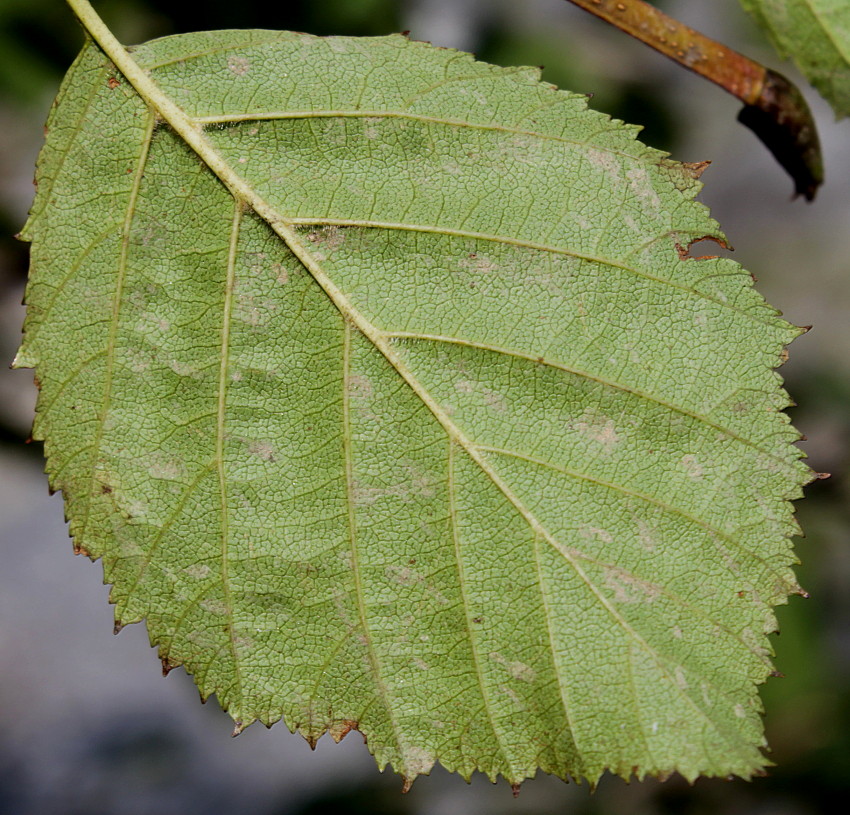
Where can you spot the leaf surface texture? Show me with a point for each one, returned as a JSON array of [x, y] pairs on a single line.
[[427, 428]]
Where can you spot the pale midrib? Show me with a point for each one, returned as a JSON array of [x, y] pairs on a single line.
[[496, 349], [195, 138], [80, 535], [384, 345], [467, 612], [452, 431], [220, 433], [348, 458]]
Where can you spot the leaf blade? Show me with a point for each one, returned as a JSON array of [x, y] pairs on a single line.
[[408, 427]]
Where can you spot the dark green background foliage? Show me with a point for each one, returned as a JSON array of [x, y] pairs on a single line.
[[85, 724]]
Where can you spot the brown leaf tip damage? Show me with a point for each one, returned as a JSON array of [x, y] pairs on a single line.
[[339, 730], [695, 169], [167, 665]]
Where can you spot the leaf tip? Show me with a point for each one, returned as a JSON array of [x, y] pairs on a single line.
[[339, 730]]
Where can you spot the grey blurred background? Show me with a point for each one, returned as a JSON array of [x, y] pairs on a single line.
[[87, 724]]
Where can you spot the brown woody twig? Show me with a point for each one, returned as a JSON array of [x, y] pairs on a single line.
[[774, 109]]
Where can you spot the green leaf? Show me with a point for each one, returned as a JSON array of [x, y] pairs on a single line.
[[816, 35], [381, 384]]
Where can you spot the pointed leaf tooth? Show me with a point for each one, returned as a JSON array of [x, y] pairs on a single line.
[[340, 729]]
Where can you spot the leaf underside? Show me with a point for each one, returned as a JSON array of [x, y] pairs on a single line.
[[816, 35], [510, 493]]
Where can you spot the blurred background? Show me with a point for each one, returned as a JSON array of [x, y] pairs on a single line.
[[87, 724]]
